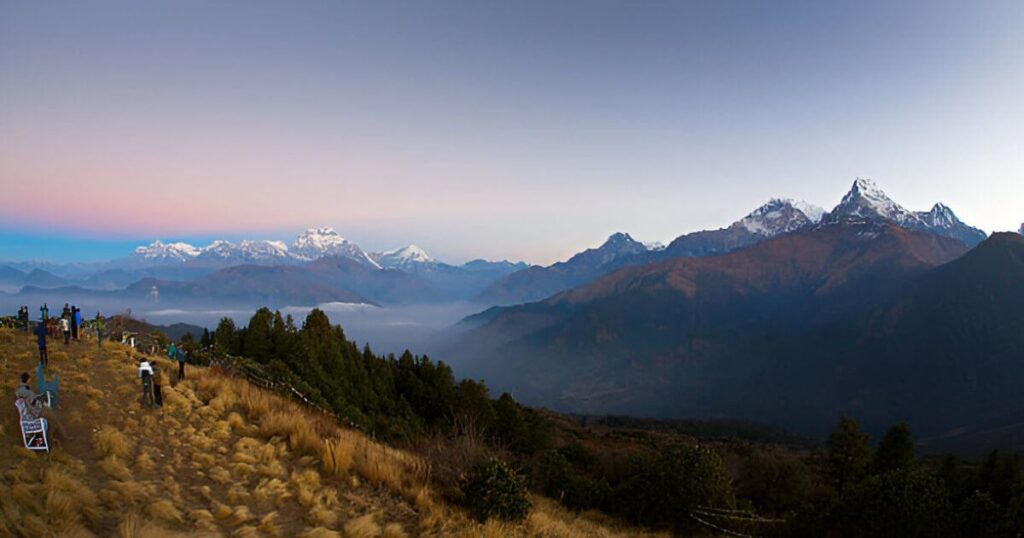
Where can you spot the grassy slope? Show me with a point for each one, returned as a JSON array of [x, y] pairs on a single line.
[[221, 458]]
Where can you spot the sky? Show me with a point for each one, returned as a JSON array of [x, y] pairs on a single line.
[[519, 130]]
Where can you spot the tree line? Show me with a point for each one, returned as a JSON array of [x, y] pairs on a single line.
[[845, 488]]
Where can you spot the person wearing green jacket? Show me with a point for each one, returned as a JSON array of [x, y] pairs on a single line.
[[100, 328]]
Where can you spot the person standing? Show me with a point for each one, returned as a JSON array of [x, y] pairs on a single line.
[[158, 381], [44, 312], [66, 313], [182, 358], [41, 340], [100, 326], [146, 374], [76, 320], [65, 327]]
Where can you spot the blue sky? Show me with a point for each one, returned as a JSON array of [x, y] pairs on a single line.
[[524, 130]]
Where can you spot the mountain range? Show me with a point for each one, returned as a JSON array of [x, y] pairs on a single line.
[[863, 317], [183, 271], [864, 201]]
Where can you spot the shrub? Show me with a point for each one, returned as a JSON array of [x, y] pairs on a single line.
[[560, 481], [495, 490], [899, 503], [663, 487]]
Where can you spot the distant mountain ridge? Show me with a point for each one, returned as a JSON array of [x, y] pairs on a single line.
[[864, 202], [536, 282], [861, 316], [489, 283], [309, 245]]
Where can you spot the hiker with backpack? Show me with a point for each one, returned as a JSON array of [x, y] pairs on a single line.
[[41, 341], [146, 374], [180, 355], [159, 379], [65, 328]]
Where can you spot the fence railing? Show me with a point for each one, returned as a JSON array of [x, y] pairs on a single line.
[[237, 366]]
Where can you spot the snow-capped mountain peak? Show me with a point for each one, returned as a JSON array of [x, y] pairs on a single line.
[[407, 257], [263, 249], [219, 249], [159, 251], [940, 216], [779, 216], [654, 246], [410, 253], [315, 240], [318, 242], [813, 212], [866, 201]]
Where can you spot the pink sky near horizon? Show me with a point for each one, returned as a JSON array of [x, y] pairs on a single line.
[[491, 131]]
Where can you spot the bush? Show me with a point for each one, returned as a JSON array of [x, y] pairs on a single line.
[[559, 480], [663, 487], [902, 503], [495, 490]]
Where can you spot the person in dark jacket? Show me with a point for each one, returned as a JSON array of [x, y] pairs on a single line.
[[66, 313], [41, 340], [182, 359], [76, 321]]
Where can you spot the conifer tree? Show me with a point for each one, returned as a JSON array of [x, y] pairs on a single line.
[[849, 455], [896, 451]]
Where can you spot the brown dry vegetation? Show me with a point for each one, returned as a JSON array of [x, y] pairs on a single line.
[[221, 458]]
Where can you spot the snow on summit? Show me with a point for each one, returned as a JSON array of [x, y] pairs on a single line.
[[404, 258], [312, 244], [779, 216], [866, 201], [159, 251], [318, 242]]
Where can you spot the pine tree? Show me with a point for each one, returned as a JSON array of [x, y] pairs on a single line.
[[206, 341], [258, 344], [849, 455], [226, 337], [896, 451]]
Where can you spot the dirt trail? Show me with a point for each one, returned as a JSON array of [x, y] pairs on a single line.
[[196, 464]]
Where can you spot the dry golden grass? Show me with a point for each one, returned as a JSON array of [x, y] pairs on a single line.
[[108, 441], [321, 532], [222, 458], [302, 438], [115, 468], [394, 530], [362, 527], [164, 510], [268, 524]]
